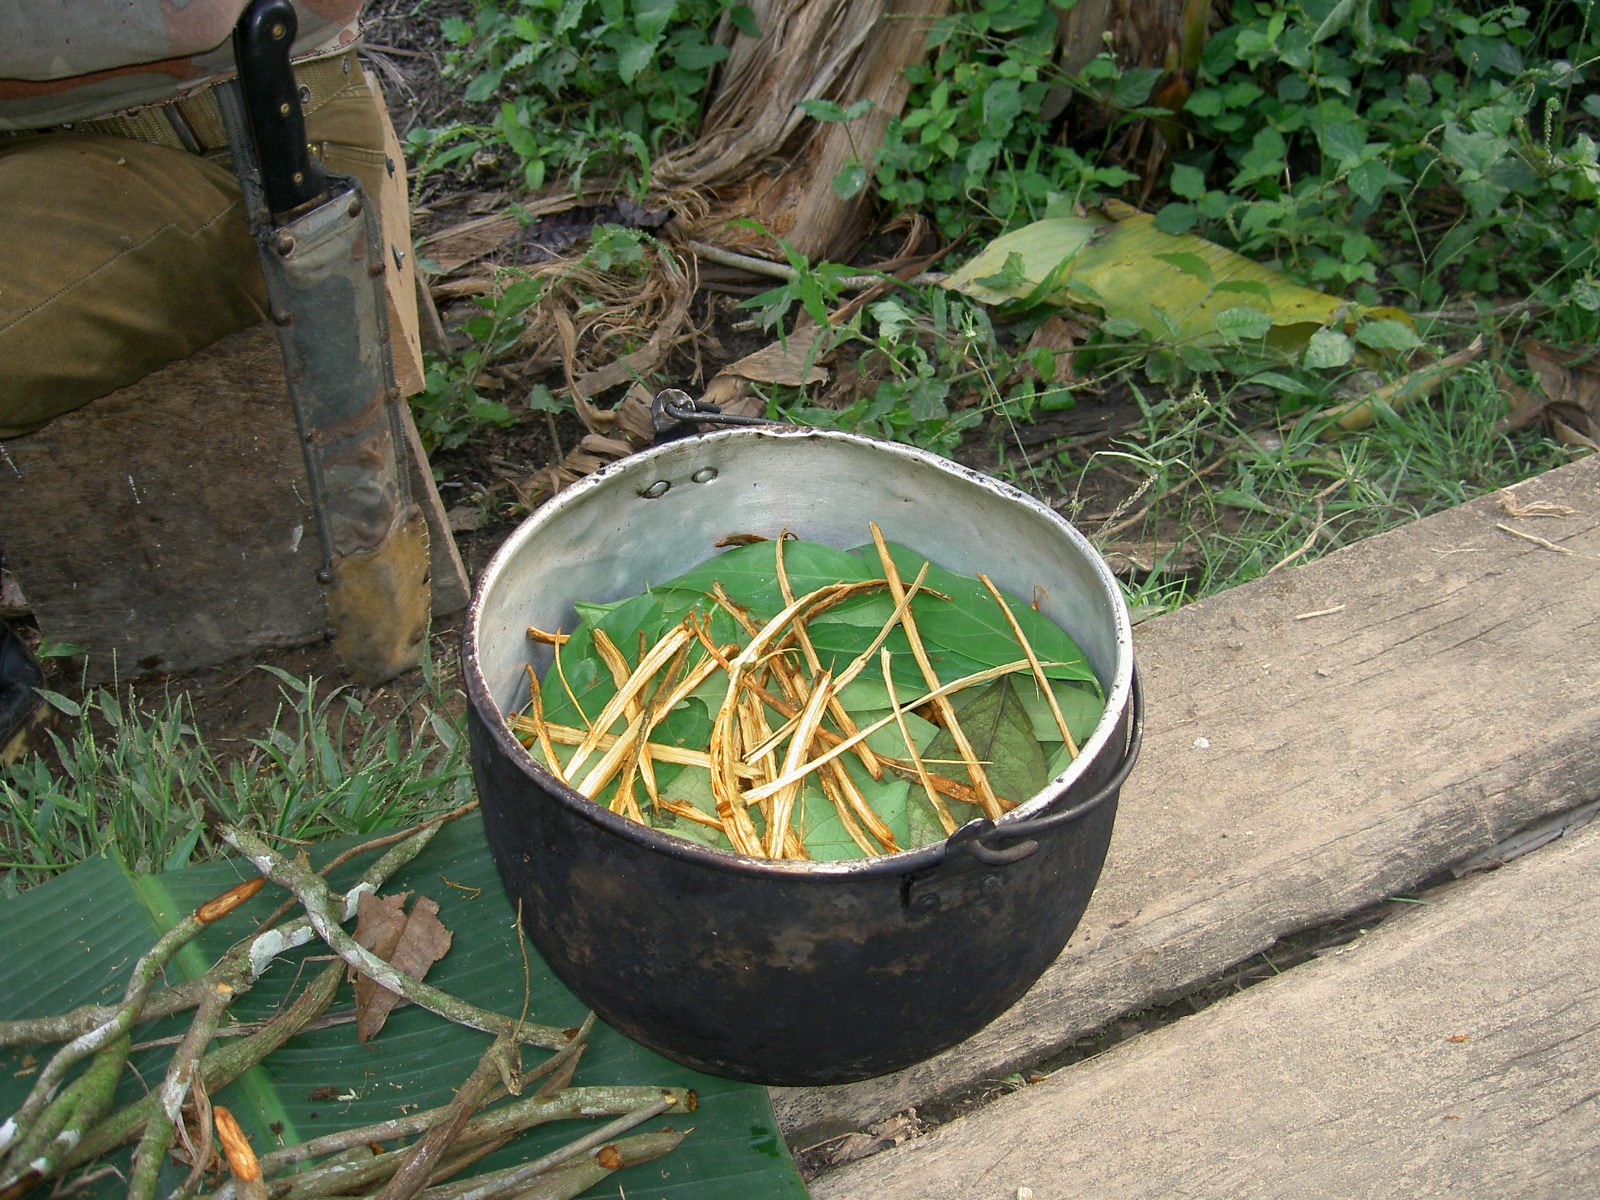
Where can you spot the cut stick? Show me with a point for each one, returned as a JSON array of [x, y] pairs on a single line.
[[724, 753], [940, 808], [844, 745], [639, 725], [802, 637], [682, 808], [859, 663], [990, 803], [650, 713], [952, 788], [567, 735], [847, 800], [611, 656], [736, 823], [1039, 676], [902, 606], [538, 726], [659, 654], [799, 744]]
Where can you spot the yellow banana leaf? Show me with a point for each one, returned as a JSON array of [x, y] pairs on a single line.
[[1177, 287]]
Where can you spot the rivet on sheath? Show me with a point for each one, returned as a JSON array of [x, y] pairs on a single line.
[[285, 244], [355, 206], [657, 489], [282, 318], [704, 475]]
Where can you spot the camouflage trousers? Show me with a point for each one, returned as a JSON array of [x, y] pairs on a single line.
[[118, 256]]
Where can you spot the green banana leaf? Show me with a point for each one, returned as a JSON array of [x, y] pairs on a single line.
[[74, 939], [1178, 288]]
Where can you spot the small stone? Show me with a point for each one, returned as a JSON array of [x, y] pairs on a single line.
[[1024, 1193], [1201, 743]]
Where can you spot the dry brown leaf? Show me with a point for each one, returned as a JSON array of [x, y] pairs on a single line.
[[1571, 384], [599, 444], [1060, 337], [411, 943], [734, 394], [789, 363]]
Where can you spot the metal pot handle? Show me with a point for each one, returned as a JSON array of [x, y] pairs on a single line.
[[978, 837], [676, 414]]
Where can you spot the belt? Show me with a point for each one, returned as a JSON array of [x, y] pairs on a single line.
[[193, 122]]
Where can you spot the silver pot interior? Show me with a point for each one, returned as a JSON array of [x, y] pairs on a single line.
[[654, 515]]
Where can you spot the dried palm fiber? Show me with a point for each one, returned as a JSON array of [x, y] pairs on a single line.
[[840, 50]]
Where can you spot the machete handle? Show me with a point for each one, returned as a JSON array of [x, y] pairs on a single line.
[[290, 177]]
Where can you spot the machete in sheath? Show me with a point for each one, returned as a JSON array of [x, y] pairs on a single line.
[[322, 255]]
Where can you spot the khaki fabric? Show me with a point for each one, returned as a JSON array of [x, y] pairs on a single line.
[[118, 256], [73, 60]]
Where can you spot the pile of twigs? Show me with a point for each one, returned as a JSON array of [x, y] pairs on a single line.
[[68, 1126], [757, 771]]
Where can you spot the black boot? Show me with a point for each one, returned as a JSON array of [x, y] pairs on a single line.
[[19, 676]]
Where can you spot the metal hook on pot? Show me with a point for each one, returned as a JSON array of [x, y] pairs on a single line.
[[675, 414], [977, 838]]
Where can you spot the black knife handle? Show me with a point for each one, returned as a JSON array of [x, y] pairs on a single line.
[[290, 177]]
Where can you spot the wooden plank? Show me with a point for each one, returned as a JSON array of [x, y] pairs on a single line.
[[1455, 1051], [167, 526], [1299, 767]]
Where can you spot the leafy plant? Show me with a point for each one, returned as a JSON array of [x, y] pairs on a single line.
[[1437, 148], [584, 87], [451, 410], [139, 780], [973, 146]]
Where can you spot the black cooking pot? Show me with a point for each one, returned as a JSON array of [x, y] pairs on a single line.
[[790, 972]]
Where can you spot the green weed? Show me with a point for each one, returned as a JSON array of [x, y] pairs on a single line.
[[582, 88], [136, 780]]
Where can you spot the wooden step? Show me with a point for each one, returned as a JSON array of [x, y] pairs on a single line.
[[1322, 738], [1454, 1051]]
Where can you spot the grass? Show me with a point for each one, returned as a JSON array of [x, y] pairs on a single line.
[[134, 778]]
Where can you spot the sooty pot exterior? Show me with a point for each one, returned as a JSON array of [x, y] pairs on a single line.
[[785, 972]]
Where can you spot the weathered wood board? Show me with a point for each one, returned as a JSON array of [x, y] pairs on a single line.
[[1455, 1051], [168, 524], [1298, 767]]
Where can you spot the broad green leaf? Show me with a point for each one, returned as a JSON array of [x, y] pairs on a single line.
[[1133, 86], [744, 20], [849, 180], [923, 826], [1081, 708], [1243, 324], [1328, 348], [1388, 335], [1189, 264], [819, 826], [1188, 182], [1113, 262], [73, 940], [651, 17], [749, 575], [1342, 141], [971, 624], [1000, 730]]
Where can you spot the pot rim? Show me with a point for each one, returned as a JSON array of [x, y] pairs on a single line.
[[1118, 695]]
